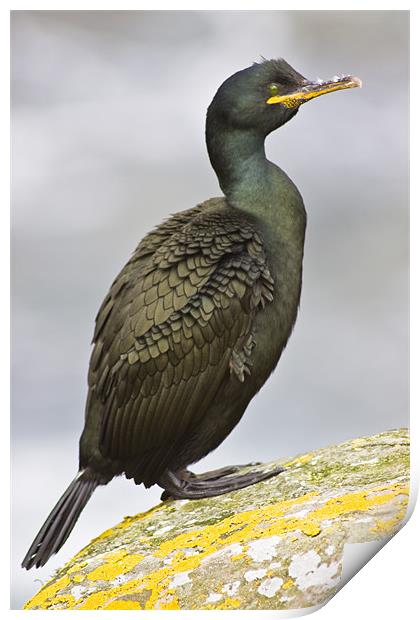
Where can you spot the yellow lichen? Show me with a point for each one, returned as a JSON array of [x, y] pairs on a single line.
[[239, 556], [97, 600], [67, 599], [360, 501], [48, 592], [123, 604], [300, 460], [242, 528], [288, 584], [172, 604], [228, 603], [310, 528], [117, 563]]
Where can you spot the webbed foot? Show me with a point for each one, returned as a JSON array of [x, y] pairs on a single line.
[[184, 484]]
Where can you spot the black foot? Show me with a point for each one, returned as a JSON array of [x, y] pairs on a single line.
[[186, 485], [215, 474]]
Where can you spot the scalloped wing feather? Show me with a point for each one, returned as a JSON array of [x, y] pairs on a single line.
[[176, 324]]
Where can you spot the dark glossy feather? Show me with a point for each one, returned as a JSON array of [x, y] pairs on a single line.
[[171, 330]]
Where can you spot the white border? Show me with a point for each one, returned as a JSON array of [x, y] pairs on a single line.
[[387, 586]]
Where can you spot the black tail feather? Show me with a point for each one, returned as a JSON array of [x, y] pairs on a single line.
[[60, 522]]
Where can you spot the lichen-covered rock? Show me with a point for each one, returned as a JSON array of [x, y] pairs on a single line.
[[275, 545]]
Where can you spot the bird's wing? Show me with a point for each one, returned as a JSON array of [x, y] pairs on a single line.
[[177, 321]]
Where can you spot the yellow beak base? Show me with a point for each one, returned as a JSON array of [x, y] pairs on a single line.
[[315, 89]]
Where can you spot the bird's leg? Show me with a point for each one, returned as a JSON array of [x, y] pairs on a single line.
[[214, 474], [183, 485]]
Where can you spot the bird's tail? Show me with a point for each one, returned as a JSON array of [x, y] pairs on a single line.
[[60, 522]]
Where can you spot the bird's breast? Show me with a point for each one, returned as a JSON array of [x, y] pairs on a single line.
[[283, 236]]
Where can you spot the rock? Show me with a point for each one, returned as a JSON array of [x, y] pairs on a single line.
[[275, 545]]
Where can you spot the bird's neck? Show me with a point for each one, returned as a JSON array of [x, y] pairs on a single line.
[[238, 159], [255, 185], [247, 178]]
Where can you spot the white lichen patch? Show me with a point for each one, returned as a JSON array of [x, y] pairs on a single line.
[[367, 519], [118, 581], [368, 462], [180, 579], [190, 552], [304, 563], [163, 530], [231, 588], [269, 587], [78, 591], [252, 575], [299, 514], [307, 570], [263, 549], [330, 550], [250, 507], [213, 597], [169, 558]]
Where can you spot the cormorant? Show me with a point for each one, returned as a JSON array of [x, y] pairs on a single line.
[[196, 321]]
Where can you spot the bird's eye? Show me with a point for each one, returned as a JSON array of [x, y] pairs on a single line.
[[273, 88]]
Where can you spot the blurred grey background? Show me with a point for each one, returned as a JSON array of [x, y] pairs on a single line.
[[108, 114]]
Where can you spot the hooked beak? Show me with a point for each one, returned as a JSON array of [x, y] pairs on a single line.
[[309, 90]]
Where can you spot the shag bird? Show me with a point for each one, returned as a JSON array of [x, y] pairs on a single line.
[[196, 321]]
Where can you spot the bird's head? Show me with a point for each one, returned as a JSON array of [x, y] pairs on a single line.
[[268, 94]]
